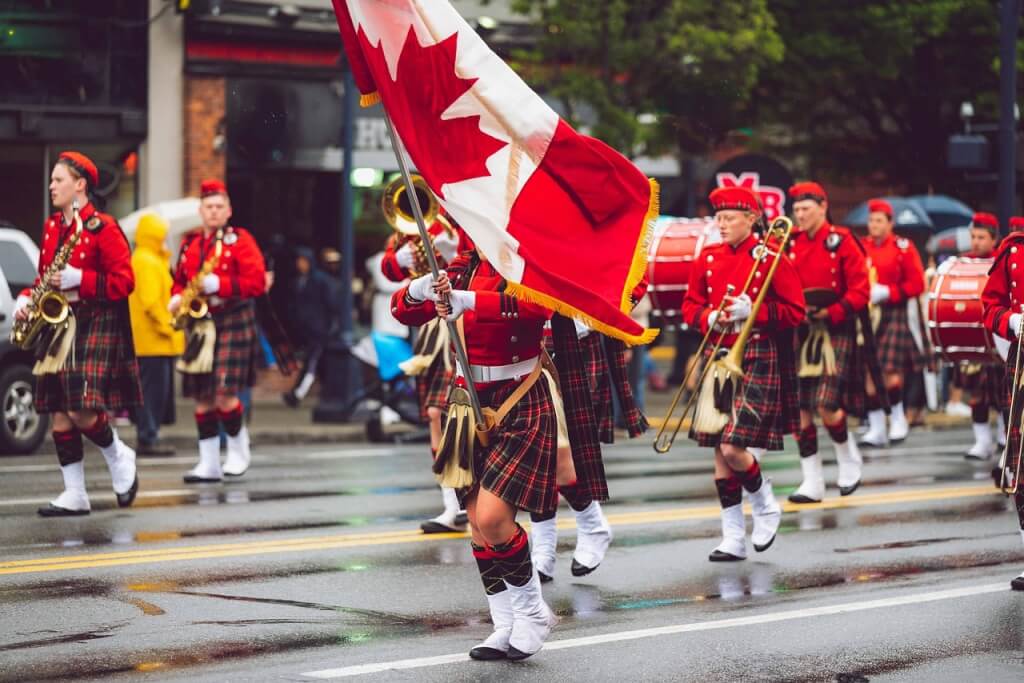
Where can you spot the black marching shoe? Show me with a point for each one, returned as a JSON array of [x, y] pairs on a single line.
[[290, 399], [544, 578], [487, 654], [51, 510], [847, 490], [719, 556], [580, 569], [1018, 583], [128, 497]]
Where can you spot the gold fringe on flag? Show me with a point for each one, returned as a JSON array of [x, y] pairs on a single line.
[[369, 99]]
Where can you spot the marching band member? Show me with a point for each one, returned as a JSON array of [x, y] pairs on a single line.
[[590, 365], [900, 279], [101, 373], [982, 384], [830, 263], [764, 406], [516, 469], [1016, 223], [434, 381], [225, 265], [1003, 303]]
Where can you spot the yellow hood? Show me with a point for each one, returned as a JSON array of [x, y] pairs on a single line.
[[151, 232]]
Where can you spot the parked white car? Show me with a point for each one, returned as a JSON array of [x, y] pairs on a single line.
[[22, 429]]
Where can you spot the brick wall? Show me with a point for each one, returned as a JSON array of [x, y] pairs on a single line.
[[204, 120]]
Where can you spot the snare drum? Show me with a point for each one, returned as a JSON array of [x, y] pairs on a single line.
[[955, 317], [676, 243]]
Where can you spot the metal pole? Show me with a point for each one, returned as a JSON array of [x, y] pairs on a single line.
[[453, 332], [347, 241], [1009, 11]]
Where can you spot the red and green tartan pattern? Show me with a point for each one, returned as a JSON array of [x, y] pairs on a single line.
[[105, 375]]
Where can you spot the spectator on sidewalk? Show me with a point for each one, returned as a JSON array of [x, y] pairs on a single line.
[[157, 344], [314, 314]]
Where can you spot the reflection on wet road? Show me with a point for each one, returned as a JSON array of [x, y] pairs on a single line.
[[312, 566]]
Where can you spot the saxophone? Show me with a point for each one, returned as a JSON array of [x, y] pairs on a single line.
[[193, 301], [48, 306]]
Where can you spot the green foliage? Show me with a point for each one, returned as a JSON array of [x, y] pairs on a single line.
[[692, 63], [875, 87]]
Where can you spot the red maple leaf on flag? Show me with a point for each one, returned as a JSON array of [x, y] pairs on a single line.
[[444, 151]]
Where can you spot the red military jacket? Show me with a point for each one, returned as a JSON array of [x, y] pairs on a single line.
[[389, 264], [898, 266], [721, 265], [1004, 291], [501, 331], [240, 267], [102, 253], [832, 259]]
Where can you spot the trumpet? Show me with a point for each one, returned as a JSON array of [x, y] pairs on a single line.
[[1011, 487], [727, 371], [397, 207]]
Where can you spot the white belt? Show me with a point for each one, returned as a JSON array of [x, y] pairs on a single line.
[[498, 373], [215, 301]]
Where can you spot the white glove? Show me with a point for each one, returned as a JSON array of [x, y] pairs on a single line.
[[447, 246], [211, 283], [422, 288], [1014, 322], [70, 277], [712, 319], [879, 293], [174, 303], [460, 301], [740, 307], [581, 329], [20, 304], [406, 256]]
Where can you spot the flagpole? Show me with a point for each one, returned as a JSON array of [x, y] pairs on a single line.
[[417, 212]]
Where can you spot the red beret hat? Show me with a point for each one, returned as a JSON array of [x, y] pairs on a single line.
[[737, 198], [808, 191], [212, 187], [1016, 223], [880, 206], [83, 165], [986, 221]]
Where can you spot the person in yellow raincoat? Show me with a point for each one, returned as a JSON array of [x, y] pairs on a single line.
[[157, 344]]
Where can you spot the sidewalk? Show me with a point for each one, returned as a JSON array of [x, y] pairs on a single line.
[[275, 423]]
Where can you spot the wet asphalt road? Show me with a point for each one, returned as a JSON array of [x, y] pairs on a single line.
[[312, 565]]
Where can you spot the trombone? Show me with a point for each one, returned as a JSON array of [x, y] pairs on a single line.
[[1011, 487], [731, 365]]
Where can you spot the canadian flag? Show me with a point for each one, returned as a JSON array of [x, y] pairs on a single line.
[[563, 217]]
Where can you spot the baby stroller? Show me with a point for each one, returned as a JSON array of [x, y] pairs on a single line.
[[387, 394]]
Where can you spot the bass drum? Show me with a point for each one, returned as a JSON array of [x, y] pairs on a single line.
[[955, 316], [674, 246]]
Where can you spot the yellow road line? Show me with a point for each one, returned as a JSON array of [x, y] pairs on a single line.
[[313, 543]]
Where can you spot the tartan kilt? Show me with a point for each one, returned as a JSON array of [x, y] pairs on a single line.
[[897, 352], [596, 364], [987, 386], [843, 390], [432, 386], [518, 465], [234, 357], [105, 375], [762, 413]]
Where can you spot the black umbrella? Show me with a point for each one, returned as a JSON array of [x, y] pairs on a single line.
[[908, 216], [945, 212]]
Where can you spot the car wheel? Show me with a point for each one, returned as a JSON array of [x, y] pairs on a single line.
[[22, 429]]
